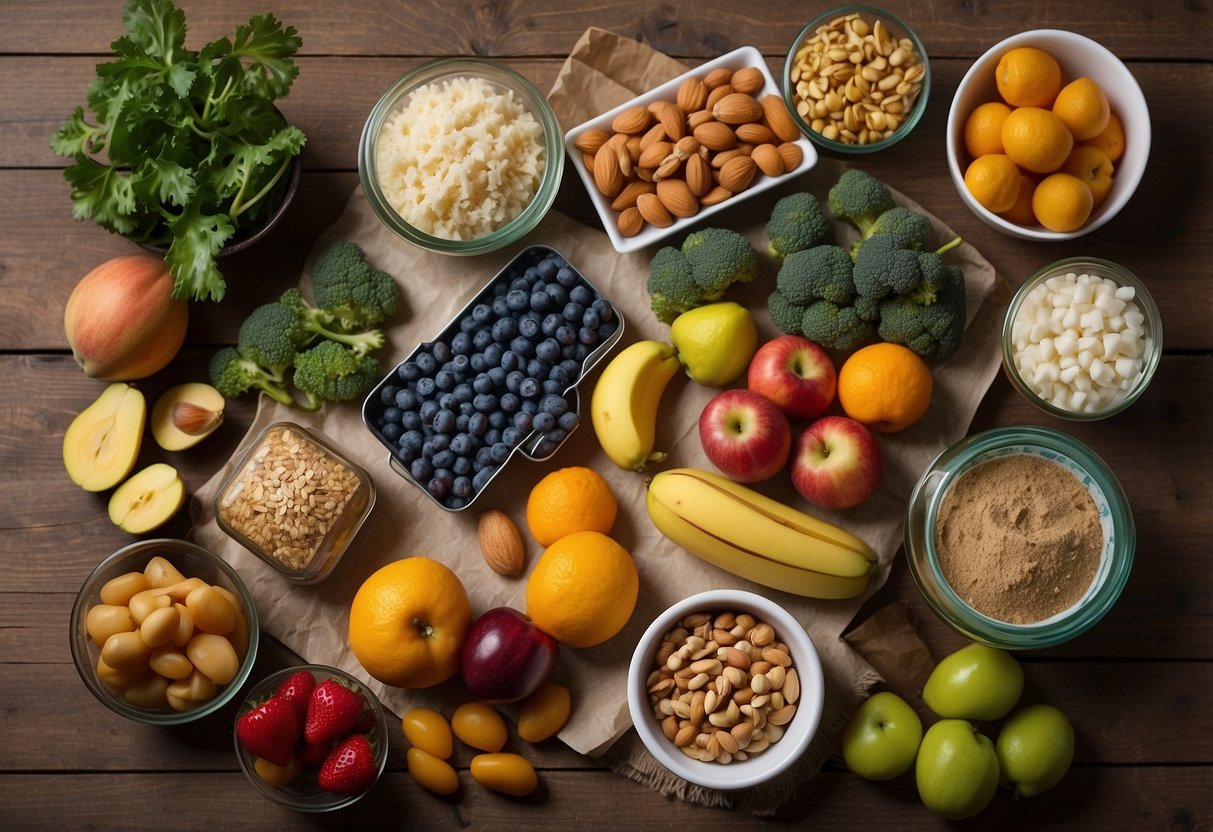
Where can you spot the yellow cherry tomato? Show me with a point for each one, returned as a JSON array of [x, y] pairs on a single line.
[[478, 725], [428, 730], [544, 712], [278, 776], [431, 772], [506, 773]]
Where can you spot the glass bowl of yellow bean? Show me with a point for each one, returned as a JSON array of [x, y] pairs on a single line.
[[164, 632]]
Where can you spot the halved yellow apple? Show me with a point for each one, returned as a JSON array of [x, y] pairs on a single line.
[[148, 499], [185, 415], [102, 443]]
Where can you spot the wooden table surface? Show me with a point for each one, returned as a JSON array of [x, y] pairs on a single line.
[[1137, 687]]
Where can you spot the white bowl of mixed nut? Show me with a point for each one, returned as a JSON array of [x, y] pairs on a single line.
[[725, 689]]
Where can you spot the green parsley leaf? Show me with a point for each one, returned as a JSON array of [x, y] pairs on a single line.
[[103, 194], [197, 238]]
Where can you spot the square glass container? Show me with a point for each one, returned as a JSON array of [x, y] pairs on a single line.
[[295, 501]]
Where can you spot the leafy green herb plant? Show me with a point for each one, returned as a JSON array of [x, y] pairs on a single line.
[[184, 149]]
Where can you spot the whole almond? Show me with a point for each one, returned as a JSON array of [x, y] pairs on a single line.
[[792, 155], [718, 77], [676, 196], [692, 95], [687, 146], [669, 727], [748, 79], [754, 133], [776, 116], [768, 160], [736, 658], [717, 162], [501, 543], [737, 108], [653, 155], [716, 136], [672, 120], [656, 133], [685, 736], [625, 162], [590, 141], [716, 196], [633, 146], [737, 173], [727, 741], [697, 118], [587, 159], [630, 222], [718, 93], [699, 180], [653, 211], [669, 166], [627, 197], [632, 120], [607, 175]]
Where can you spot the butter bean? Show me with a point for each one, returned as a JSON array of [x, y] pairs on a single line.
[[160, 573], [212, 612], [150, 692], [160, 626], [170, 662], [125, 651]]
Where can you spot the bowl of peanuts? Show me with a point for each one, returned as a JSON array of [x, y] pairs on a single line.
[[164, 632], [856, 80], [725, 689], [688, 149]]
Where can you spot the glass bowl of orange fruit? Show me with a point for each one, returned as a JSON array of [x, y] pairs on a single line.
[[1048, 135]]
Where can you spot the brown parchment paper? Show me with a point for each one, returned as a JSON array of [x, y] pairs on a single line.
[[602, 71]]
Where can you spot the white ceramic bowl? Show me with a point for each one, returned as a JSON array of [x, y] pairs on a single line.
[[650, 234], [1078, 56], [797, 734]]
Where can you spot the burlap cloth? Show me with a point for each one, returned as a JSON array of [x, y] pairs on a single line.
[[602, 71]]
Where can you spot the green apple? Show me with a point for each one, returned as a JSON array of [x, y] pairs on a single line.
[[715, 342], [975, 682], [882, 738], [956, 770], [1035, 748]]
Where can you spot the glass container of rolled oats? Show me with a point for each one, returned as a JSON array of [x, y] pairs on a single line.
[[295, 501]]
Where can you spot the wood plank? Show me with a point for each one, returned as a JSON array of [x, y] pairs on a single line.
[[706, 29], [1133, 799]]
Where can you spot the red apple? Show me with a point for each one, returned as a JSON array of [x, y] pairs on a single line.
[[838, 463], [744, 435], [506, 657], [796, 374]]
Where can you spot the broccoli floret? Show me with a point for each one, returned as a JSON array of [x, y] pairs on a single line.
[[883, 267], [719, 258], [818, 273], [316, 321], [859, 199], [797, 223], [911, 229], [931, 326], [331, 372], [786, 315], [672, 288], [835, 327], [347, 287], [270, 336], [232, 375]]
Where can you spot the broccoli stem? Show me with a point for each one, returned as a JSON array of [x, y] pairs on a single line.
[[948, 246]]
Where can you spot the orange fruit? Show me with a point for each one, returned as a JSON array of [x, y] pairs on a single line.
[[1092, 166], [993, 180], [1028, 77], [1021, 212], [1036, 139], [885, 386], [1083, 108], [407, 623], [583, 589], [1062, 202], [1112, 140], [983, 128], [570, 500]]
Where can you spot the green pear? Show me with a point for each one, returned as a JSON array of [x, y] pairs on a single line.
[[882, 738], [975, 682], [1035, 748], [715, 342], [956, 770]]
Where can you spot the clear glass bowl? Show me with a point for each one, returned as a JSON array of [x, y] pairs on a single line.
[[191, 561], [502, 78], [1116, 520], [303, 794], [1145, 302], [897, 29]]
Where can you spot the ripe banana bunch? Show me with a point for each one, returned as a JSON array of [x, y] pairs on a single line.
[[623, 408], [756, 537]]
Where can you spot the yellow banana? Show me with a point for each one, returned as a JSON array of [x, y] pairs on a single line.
[[737, 529], [623, 408]]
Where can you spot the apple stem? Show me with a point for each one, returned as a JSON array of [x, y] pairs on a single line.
[[426, 630]]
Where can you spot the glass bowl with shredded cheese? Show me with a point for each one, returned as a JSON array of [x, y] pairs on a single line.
[[461, 156], [1082, 338]]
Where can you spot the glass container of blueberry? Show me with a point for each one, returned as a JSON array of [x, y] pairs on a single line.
[[500, 379]]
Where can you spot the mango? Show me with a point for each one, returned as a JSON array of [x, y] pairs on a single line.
[[102, 443]]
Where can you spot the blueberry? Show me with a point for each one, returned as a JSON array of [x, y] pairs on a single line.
[[484, 456], [518, 300], [428, 411], [454, 503], [558, 294], [477, 364], [500, 288], [447, 401], [513, 380], [387, 393], [412, 439], [590, 319], [509, 402], [530, 406], [560, 375], [501, 307], [468, 324], [491, 437], [522, 346], [511, 361], [543, 421], [540, 301], [493, 354], [482, 338], [500, 452], [427, 451], [587, 336], [439, 442], [538, 369], [554, 436], [532, 274], [425, 387], [463, 392], [566, 335], [582, 295], [406, 456], [529, 326], [478, 423], [462, 466], [445, 380], [391, 431], [551, 323], [443, 459], [482, 313], [573, 368], [497, 375], [461, 487], [484, 402], [421, 470], [461, 344], [405, 399], [504, 329], [573, 311], [466, 409], [529, 388], [570, 352], [409, 371], [566, 277], [392, 414], [603, 307], [567, 420], [548, 267], [426, 363], [482, 478], [605, 331], [582, 352], [437, 487], [556, 405], [551, 388], [498, 420], [410, 420], [444, 421], [523, 421], [511, 436], [442, 352], [548, 350], [482, 383], [461, 422], [458, 364], [461, 444], [520, 283]]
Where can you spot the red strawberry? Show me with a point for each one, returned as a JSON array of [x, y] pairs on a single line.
[[270, 731], [332, 710], [350, 769], [313, 756], [297, 689]]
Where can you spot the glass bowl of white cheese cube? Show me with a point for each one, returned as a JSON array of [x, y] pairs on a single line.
[[1082, 338]]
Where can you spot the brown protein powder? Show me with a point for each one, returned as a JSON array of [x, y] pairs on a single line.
[[1018, 538]]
